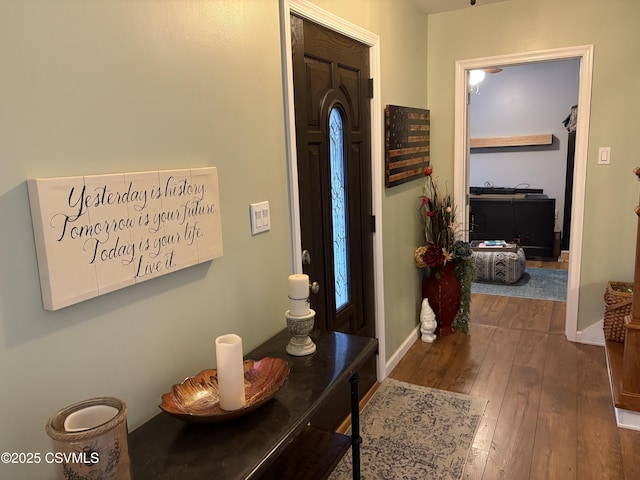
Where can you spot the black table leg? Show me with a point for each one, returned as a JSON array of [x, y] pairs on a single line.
[[356, 439]]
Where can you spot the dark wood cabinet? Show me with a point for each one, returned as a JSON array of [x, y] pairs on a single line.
[[529, 220]]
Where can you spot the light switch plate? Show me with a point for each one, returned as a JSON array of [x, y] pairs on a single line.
[[260, 217], [604, 155]]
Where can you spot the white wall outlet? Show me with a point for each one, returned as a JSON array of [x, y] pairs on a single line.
[[604, 155], [260, 217]]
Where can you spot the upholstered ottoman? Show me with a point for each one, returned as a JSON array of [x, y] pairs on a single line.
[[498, 266]]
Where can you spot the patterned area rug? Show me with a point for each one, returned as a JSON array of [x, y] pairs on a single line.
[[539, 283], [414, 433]]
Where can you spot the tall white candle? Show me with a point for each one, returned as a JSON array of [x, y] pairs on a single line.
[[299, 308], [298, 286], [298, 294], [230, 366]]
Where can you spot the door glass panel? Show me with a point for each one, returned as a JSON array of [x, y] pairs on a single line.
[[339, 207]]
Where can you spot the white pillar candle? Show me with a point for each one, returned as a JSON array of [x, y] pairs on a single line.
[[299, 308], [299, 294], [298, 286], [230, 366]]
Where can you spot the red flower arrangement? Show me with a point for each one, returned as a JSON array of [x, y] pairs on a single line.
[[438, 216]]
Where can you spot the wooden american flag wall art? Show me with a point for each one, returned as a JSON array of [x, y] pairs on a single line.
[[407, 151]]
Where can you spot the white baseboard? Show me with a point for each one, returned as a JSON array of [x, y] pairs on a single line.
[[592, 335], [402, 350], [627, 419], [624, 418]]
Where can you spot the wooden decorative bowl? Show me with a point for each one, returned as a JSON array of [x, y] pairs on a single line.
[[197, 398]]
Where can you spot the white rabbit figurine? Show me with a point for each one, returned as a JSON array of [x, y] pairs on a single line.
[[428, 322]]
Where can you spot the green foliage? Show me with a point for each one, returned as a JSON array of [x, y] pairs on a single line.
[[465, 272]]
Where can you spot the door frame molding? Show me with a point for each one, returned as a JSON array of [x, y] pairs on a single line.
[[315, 14], [461, 149]]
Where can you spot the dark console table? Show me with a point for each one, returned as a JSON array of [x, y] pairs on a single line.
[[274, 441]]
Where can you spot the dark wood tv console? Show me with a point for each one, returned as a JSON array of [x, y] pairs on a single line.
[[529, 219], [276, 440]]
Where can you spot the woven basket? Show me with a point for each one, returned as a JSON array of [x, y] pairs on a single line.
[[617, 311]]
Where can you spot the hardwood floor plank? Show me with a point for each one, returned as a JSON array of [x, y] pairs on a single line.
[[465, 366], [554, 453], [532, 349], [630, 442], [560, 383], [476, 462], [554, 450], [512, 446], [487, 309], [558, 318], [527, 314], [515, 313], [491, 382], [410, 363], [599, 453], [435, 366], [537, 315]]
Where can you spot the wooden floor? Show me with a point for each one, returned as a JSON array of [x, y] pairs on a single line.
[[550, 414]]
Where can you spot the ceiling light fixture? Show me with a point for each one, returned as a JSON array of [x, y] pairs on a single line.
[[475, 77]]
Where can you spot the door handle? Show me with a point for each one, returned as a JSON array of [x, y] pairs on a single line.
[[306, 260]]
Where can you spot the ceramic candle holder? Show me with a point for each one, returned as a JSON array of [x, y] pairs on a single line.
[[300, 327]]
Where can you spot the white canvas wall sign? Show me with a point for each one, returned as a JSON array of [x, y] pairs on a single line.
[[98, 233]]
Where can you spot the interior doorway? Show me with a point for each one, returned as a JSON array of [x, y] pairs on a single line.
[[462, 152], [521, 163]]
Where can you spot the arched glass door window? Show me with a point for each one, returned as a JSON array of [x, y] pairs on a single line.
[[339, 207]]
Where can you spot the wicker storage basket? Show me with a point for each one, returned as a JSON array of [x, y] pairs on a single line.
[[617, 310]]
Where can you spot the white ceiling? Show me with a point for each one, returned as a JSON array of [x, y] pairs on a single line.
[[437, 6]]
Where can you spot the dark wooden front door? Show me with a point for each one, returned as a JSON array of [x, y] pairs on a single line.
[[332, 111]]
